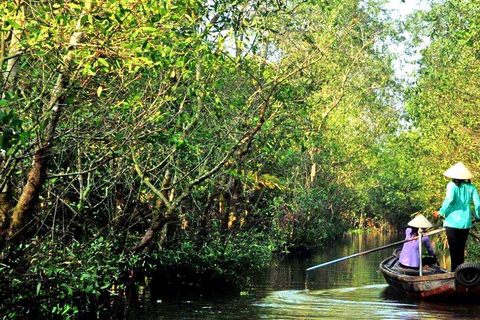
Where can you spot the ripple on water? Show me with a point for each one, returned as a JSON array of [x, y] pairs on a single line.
[[366, 302]]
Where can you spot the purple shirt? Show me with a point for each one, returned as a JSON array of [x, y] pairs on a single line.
[[410, 255]]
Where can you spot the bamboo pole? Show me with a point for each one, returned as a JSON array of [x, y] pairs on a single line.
[[374, 250]]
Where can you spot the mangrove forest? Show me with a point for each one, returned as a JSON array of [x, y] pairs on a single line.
[[183, 145]]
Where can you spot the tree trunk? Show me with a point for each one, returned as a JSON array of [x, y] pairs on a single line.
[[22, 212], [14, 52]]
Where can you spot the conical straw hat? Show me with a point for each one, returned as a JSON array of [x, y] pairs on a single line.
[[458, 171], [420, 222]]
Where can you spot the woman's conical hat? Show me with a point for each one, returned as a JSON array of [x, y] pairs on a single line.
[[458, 171], [420, 222]]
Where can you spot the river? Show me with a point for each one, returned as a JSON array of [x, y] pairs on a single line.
[[351, 289]]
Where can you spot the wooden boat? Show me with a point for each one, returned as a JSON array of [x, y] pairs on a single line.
[[435, 281]]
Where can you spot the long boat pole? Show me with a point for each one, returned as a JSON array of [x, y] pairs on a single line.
[[420, 236], [374, 250]]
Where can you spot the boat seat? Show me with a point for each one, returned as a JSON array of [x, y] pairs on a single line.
[[412, 272]]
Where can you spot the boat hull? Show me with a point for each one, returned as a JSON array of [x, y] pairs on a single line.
[[435, 282]]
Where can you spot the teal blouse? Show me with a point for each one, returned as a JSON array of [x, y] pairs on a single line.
[[456, 206]]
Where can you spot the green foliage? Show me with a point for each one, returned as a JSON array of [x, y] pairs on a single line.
[[46, 280], [12, 129], [472, 250], [441, 107], [219, 261], [209, 134], [307, 221]]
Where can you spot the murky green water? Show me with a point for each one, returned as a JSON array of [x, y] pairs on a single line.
[[352, 289]]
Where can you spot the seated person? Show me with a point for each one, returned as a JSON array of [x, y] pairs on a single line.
[[410, 255]]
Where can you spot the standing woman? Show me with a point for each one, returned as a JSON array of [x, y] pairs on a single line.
[[456, 211]]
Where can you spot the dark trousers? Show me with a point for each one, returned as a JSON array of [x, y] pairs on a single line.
[[457, 238]]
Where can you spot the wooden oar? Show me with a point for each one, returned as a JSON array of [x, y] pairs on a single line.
[[374, 250]]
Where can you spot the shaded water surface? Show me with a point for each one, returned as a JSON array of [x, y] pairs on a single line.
[[351, 289]]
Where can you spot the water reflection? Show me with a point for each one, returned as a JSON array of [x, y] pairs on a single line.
[[358, 271], [346, 303], [351, 289], [366, 302]]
